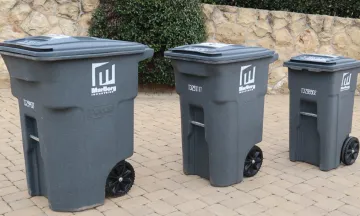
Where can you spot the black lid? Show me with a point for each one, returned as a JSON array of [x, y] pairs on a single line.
[[58, 47], [321, 63], [218, 52]]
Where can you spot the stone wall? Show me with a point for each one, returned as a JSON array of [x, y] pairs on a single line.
[[20, 18], [288, 33]]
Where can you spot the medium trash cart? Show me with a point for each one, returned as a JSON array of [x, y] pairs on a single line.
[[76, 98], [222, 89], [322, 89]]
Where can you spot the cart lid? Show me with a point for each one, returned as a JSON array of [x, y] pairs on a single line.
[[321, 63], [59, 47], [215, 53]]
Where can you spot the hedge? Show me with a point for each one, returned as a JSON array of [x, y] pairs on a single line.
[[342, 8], [161, 24]]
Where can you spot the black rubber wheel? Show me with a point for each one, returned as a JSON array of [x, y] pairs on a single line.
[[253, 162], [350, 151], [120, 180]]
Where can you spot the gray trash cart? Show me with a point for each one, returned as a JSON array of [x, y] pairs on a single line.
[[222, 89], [76, 98], [322, 89]]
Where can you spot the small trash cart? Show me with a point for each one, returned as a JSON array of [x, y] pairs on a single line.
[[222, 89], [76, 98], [322, 89]]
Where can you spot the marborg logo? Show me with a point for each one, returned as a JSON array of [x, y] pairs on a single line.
[[103, 83], [345, 83], [247, 79]]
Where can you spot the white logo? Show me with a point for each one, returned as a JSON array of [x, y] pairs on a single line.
[[29, 104], [308, 91], [195, 88], [103, 83], [345, 83], [247, 79]]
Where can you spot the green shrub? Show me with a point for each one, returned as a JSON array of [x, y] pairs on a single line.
[[342, 8], [161, 24]]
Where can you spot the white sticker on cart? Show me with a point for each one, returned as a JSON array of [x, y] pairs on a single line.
[[313, 58], [215, 45], [29, 42], [103, 79], [197, 49], [247, 79], [345, 83], [195, 88], [57, 36], [29, 104], [308, 91], [321, 55]]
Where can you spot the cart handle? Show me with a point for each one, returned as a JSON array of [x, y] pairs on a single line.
[[309, 114], [147, 54], [197, 124]]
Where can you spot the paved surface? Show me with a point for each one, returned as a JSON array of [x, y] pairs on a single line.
[[281, 188]]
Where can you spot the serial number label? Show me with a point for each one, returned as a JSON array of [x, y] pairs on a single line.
[[29, 104], [194, 88], [101, 111], [308, 91]]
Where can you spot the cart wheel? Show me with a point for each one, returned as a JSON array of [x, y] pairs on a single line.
[[350, 151], [253, 162], [120, 180]]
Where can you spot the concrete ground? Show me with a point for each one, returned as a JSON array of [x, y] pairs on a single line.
[[280, 188]]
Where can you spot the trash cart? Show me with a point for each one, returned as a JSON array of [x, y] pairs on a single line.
[[222, 89], [322, 89], [76, 98]]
